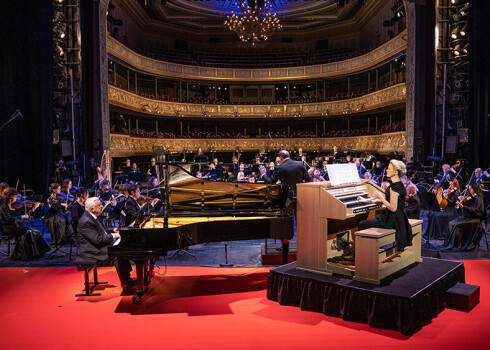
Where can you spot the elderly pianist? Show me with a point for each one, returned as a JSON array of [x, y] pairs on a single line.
[[92, 237]]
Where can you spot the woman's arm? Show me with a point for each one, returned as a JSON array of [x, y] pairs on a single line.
[[392, 205]]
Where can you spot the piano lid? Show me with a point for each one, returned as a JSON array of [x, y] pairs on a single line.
[[187, 192]]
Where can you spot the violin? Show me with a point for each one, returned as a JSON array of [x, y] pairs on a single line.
[[144, 200], [19, 204], [465, 200]]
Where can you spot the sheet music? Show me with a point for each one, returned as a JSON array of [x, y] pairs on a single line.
[[343, 174]]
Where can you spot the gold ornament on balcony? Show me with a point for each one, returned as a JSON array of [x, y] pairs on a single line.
[[255, 25]]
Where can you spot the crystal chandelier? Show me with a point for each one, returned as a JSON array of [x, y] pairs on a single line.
[[255, 25]]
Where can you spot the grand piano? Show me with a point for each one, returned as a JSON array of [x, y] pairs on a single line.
[[199, 211]]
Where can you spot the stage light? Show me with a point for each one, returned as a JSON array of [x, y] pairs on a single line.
[[466, 48], [463, 30], [454, 33], [457, 17], [464, 10], [457, 50], [59, 50]]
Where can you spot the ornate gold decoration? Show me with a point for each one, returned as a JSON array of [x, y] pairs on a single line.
[[356, 64], [125, 145], [386, 97]]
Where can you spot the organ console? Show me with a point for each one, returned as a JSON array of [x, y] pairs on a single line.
[[328, 240]]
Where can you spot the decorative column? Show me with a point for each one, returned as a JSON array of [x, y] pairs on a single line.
[[410, 83], [104, 97]]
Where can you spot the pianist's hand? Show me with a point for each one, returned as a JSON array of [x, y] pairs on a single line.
[[116, 235]]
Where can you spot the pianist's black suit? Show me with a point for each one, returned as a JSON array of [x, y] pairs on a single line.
[[92, 239], [290, 172]]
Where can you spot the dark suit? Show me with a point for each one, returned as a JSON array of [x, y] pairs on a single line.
[[131, 208], [412, 207], [290, 172], [92, 239]]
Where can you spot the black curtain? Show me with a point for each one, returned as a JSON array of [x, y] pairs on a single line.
[[479, 83], [26, 84]]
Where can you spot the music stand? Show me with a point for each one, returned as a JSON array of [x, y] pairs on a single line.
[[136, 176]]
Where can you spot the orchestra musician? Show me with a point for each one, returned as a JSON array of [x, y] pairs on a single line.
[[200, 157], [438, 224], [378, 170], [29, 241], [264, 158], [335, 153], [360, 169], [233, 168], [132, 209], [412, 202], [152, 169], [127, 166], [393, 216], [462, 229], [323, 170], [183, 155], [443, 176], [91, 235], [56, 221], [479, 176], [78, 207]]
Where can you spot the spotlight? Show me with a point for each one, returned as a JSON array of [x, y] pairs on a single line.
[[464, 10], [457, 50], [465, 48], [463, 30], [454, 33], [457, 17], [59, 50]]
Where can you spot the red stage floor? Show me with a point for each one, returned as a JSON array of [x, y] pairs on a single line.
[[200, 308]]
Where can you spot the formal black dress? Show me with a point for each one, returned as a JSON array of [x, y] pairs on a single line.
[[77, 211], [438, 225], [30, 243], [463, 233], [57, 222], [396, 220]]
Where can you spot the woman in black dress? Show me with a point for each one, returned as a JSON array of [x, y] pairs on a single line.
[[438, 226], [30, 243], [463, 233], [393, 216], [56, 220], [78, 207]]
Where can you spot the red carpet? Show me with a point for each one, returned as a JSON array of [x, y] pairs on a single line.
[[200, 308]]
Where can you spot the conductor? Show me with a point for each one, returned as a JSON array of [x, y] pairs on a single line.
[[289, 172]]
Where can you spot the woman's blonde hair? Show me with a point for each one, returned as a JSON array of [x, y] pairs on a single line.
[[399, 166]]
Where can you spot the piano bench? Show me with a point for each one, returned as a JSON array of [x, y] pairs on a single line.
[[87, 265]]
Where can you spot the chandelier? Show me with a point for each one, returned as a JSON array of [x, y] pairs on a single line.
[[255, 25]]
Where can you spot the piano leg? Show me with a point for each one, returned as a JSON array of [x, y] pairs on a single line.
[[140, 275]]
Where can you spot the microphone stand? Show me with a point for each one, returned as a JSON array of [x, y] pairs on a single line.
[[12, 118]]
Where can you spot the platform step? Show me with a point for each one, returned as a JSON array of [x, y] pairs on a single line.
[[463, 296]]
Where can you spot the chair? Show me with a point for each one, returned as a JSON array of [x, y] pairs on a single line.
[[86, 265]]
